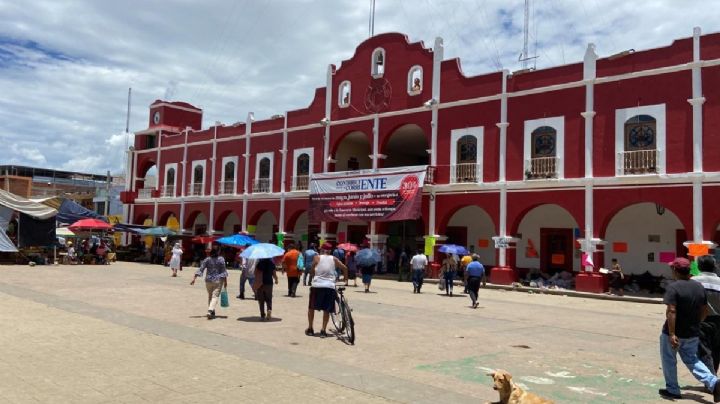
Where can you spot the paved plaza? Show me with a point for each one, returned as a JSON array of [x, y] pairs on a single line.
[[130, 333]]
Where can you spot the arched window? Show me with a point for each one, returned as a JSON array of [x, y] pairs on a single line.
[[264, 168], [640, 133], [378, 62], [170, 177], [543, 142], [198, 175], [303, 165], [467, 149], [415, 80], [229, 174], [344, 94]]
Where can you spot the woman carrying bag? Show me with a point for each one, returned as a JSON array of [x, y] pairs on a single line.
[[448, 270], [215, 278]]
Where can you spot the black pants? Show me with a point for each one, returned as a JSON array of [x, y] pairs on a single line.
[[473, 285], [292, 284], [264, 298]]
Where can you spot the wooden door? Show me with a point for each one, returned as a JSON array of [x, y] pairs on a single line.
[[556, 250]]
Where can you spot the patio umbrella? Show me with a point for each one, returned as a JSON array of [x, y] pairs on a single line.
[[350, 247], [89, 225], [262, 250], [237, 240], [160, 231], [204, 239], [64, 232], [453, 249], [367, 257]]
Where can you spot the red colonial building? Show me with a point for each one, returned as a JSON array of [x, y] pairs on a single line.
[[618, 157]]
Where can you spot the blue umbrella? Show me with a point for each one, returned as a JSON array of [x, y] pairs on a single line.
[[367, 257], [262, 250], [237, 240], [453, 249]]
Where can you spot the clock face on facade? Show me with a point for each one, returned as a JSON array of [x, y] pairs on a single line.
[[156, 118]]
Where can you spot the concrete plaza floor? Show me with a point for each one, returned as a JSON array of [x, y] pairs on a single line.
[[129, 332]]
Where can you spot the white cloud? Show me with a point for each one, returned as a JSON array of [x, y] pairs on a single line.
[[65, 66]]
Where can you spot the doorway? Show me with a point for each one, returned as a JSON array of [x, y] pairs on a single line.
[[556, 250]]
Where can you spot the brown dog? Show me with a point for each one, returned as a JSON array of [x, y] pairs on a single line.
[[510, 393]]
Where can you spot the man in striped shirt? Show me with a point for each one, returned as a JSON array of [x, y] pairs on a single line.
[[709, 348]]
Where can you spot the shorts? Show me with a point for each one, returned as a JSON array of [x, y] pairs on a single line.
[[366, 278], [322, 299]]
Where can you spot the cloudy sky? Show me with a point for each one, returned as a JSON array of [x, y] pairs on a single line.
[[65, 66]]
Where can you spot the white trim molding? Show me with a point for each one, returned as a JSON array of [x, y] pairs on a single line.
[[169, 166], [622, 115], [341, 88], [416, 68], [296, 154], [555, 122], [258, 158], [203, 164], [478, 132], [374, 68]]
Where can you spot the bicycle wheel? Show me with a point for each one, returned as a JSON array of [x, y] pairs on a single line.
[[337, 318], [349, 322]]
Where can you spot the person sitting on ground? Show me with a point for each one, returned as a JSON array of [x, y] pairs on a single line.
[[617, 278], [322, 290]]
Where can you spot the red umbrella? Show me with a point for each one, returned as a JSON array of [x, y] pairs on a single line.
[[89, 225], [204, 239], [349, 247]]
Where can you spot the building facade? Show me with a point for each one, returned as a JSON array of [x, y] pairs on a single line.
[[615, 157]]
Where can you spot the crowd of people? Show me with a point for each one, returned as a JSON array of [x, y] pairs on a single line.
[[88, 251]]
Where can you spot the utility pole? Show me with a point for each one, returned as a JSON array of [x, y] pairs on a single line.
[[107, 193], [371, 23]]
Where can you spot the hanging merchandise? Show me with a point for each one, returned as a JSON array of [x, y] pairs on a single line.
[[281, 240], [429, 245]]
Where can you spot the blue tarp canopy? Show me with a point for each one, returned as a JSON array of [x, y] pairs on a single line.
[[70, 212]]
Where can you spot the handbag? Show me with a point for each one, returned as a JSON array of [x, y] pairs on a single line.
[[224, 301], [441, 284]]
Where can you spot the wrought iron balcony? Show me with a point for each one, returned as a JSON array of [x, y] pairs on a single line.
[[301, 183], [638, 162], [226, 188], [168, 191], [261, 185], [464, 173], [195, 189], [541, 168], [145, 193]]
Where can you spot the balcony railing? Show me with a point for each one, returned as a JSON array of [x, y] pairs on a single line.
[[261, 185], [541, 167], [145, 193], [638, 162], [226, 188], [195, 190], [168, 191], [464, 173], [301, 183]]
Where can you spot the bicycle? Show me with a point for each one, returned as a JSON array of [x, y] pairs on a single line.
[[342, 317]]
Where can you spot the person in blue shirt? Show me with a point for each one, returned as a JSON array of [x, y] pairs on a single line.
[[474, 273], [309, 255]]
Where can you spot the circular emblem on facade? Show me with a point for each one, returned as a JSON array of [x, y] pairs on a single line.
[[409, 186], [377, 95], [156, 117]]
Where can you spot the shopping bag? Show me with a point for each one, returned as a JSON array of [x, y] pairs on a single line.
[[301, 262], [441, 284], [224, 301]]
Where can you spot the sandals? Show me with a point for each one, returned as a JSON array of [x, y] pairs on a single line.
[[323, 334], [309, 332]]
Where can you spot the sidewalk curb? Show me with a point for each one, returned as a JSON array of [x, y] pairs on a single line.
[[565, 292]]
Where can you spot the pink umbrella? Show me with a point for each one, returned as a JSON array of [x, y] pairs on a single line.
[[349, 247], [90, 225]]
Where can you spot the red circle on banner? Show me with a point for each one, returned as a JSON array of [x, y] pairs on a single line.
[[409, 186]]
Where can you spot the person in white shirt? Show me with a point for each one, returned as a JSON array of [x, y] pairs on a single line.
[[418, 264], [322, 289]]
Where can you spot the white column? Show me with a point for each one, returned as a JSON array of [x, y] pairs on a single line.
[[697, 101], [248, 130], [283, 173], [697, 210], [211, 219], [503, 125], [326, 137], [128, 183], [589, 75], [182, 184], [158, 161], [438, 55]]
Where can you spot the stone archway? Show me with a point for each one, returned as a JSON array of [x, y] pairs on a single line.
[[406, 146], [231, 224], [547, 239], [353, 152], [264, 227], [643, 235], [475, 234]]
